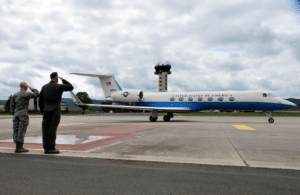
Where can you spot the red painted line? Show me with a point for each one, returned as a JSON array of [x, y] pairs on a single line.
[[119, 133], [118, 130]]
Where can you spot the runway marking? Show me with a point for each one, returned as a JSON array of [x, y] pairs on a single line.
[[71, 124], [243, 127]]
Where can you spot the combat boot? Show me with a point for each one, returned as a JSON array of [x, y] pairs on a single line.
[[17, 147], [20, 148]]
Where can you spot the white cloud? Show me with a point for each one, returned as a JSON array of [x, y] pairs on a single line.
[[226, 45]]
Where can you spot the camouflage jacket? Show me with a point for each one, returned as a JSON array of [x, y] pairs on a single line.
[[20, 102]]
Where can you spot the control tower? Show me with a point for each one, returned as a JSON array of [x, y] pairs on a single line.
[[162, 71]]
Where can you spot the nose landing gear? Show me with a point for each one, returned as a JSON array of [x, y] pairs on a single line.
[[271, 120]]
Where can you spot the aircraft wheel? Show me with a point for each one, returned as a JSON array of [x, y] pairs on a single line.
[[152, 119], [271, 120], [167, 118]]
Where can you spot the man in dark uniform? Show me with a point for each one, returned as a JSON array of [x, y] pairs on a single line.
[[19, 108], [49, 103]]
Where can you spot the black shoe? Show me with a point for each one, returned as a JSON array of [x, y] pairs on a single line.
[[52, 151]]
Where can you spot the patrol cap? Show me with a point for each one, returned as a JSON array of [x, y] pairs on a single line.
[[53, 75]]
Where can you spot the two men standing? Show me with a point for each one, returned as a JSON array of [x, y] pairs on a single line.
[[49, 103]]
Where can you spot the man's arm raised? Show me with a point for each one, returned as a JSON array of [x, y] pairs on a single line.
[[34, 94], [66, 86]]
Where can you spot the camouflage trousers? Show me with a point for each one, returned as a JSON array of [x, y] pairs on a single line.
[[20, 124]]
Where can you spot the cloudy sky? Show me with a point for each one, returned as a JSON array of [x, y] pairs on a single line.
[[211, 45]]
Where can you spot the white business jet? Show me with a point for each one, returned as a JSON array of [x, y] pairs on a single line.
[[179, 102]]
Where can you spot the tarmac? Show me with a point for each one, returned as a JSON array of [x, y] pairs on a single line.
[[226, 141]]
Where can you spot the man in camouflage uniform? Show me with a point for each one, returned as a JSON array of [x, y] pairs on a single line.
[[19, 108]]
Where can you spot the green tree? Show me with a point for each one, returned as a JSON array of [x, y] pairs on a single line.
[[84, 98], [7, 104]]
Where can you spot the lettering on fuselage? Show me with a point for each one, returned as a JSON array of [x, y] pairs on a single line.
[[214, 95]]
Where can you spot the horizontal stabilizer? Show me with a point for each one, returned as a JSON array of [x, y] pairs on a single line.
[[94, 75]]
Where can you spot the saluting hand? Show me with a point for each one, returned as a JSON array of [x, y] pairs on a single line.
[[61, 78], [28, 86]]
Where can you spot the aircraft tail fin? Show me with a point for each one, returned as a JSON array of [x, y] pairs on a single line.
[[108, 83]]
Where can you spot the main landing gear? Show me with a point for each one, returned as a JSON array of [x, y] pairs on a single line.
[[154, 116], [153, 119], [168, 116], [271, 120]]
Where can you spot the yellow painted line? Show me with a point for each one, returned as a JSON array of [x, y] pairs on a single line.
[[71, 124], [243, 127]]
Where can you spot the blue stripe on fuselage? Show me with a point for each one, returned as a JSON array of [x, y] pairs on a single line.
[[197, 106]]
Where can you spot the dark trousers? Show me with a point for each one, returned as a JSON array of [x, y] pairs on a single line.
[[50, 123]]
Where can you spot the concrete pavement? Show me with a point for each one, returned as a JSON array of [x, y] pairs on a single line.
[[49, 174], [196, 140]]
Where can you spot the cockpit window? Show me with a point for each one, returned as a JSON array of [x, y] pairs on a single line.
[[268, 95]]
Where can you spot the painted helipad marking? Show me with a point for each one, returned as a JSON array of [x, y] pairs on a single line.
[[71, 124], [243, 127]]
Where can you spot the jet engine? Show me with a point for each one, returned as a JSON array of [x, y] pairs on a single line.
[[128, 96]]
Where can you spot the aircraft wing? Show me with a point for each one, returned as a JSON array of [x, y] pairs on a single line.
[[159, 109]]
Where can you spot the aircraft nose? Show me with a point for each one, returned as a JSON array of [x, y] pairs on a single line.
[[289, 103]]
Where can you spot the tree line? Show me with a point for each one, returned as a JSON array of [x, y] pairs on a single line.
[[82, 96]]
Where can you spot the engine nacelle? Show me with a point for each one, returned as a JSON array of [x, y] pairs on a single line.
[[128, 96]]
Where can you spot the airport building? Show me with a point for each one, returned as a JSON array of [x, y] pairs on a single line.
[[162, 71]]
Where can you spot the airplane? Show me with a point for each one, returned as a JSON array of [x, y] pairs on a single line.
[[184, 102]]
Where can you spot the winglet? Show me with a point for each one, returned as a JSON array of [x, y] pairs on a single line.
[[75, 98]]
